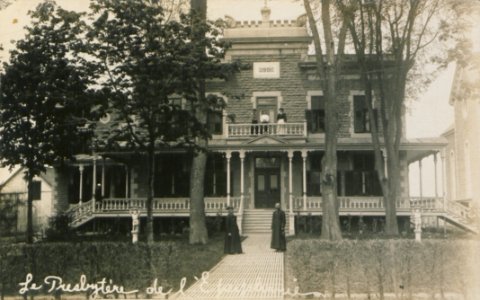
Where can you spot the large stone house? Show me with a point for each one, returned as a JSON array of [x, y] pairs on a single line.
[[254, 165]]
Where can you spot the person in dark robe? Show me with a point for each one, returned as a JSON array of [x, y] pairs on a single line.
[[233, 245], [279, 242]]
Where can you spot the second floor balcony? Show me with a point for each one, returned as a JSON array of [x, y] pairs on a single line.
[[258, 129]]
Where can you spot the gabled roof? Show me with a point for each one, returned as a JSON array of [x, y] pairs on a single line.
[[266, 140], [7, 175]]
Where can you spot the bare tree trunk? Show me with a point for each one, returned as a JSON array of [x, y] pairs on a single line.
[[367, 40], [29, 232], [327, 71], [198, 227], [150, 193]]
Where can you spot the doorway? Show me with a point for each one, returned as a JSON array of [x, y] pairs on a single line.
[[267, 181], [269, 106]]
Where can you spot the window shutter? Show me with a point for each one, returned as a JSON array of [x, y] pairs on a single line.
[[358, 116], [36, 191], [308, 118]]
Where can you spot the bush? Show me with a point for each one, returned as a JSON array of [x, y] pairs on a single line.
[[133, 266], [401, 267]]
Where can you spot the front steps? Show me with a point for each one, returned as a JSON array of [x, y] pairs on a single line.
[[258, 221]]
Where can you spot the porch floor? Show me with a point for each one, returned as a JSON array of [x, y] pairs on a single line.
[[258, 273]]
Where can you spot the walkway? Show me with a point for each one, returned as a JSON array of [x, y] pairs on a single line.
[[256, 274]]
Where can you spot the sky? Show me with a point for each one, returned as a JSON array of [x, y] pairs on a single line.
[[428, 116]]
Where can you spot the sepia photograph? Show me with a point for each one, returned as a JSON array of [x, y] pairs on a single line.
[[239, 149]]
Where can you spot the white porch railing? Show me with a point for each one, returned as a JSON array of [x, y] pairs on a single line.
[[430, 203], [82, 212], [163, 204], [360, 203], [462, 212], [292, 129]]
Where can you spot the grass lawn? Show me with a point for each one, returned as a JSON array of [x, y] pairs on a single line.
[[384, 268]]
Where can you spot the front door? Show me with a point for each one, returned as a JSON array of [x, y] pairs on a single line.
[[267, 182]]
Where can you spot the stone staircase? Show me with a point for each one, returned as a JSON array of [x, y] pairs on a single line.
[[258, 221]]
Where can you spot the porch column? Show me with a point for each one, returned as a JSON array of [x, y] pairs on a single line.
[[436, 179], [228, 156], [291, 218], [421, 180], [127, 182], [103, 178], [94, 179], [304, 157], [444, 188], [80, 193], [242, 188], [444, 181], [242, 175]]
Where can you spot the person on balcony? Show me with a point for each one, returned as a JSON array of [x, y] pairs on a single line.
[[264, 119], [254, 127], [279, 242], [233, 244], [281, 120]]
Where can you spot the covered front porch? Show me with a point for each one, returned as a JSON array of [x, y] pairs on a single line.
[[254, 174]]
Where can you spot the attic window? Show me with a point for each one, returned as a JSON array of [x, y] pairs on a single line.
[[36, 190]]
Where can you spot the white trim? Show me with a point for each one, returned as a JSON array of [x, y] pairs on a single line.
[[276, 94], [266, 70], [453, 175], [468, 170]]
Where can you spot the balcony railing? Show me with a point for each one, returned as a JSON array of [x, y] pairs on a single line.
[[287, 129]]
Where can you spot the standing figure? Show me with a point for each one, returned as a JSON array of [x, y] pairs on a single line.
[[281, 120], [233, 245], [279, 242], [264, 119], [135, 225], [254, 127]]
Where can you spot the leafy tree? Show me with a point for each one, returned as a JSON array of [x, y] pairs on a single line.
[[44, 96], [328, 65], [393, 40], [146, 59]]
